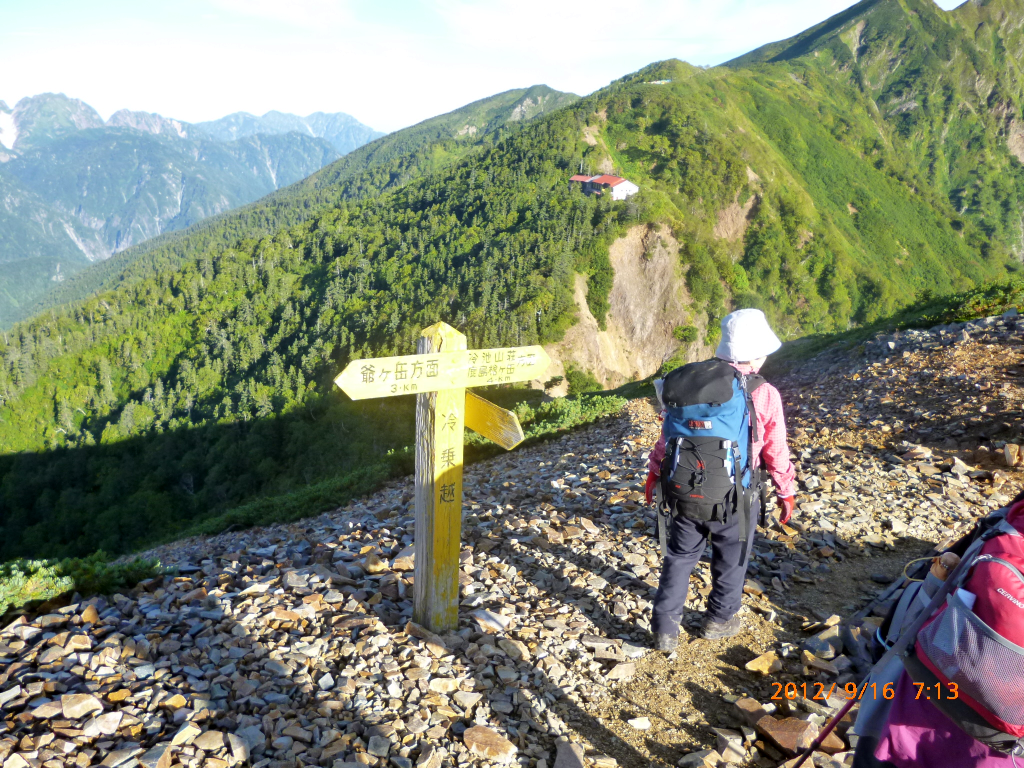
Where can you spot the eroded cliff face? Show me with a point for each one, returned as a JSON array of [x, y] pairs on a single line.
[[648, 301]]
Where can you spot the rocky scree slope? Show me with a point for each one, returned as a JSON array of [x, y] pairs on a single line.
[[292, 645]]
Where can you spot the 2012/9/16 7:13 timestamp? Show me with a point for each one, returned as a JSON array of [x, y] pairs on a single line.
[[851, 690]]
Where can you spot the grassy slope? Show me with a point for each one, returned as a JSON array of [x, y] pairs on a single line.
[[944, 87]]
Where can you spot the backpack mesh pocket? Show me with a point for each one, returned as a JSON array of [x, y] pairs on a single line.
[[987, 668]]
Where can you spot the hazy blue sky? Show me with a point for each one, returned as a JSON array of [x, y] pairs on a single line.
[[390, 63]]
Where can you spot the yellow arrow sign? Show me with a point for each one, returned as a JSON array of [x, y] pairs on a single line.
[[413, 374], [495, 423]]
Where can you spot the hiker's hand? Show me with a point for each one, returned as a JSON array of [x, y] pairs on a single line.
[[652, 480], [788, 503]]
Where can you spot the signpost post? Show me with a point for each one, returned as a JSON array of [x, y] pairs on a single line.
[[438, 375]]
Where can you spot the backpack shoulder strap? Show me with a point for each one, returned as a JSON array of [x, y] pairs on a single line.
[[753, 381], [750, 383]]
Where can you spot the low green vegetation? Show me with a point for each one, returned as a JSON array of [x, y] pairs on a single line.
[[581, 381], [687, 334], [928, 311], [24, 582]]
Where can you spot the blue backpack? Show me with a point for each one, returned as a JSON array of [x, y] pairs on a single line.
[[710, 428]]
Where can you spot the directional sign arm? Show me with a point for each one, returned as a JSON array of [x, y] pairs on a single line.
[[496, 424], [436, 371]]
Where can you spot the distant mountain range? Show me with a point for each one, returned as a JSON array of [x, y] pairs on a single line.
[[381, 165], [75, 189], [343, 131]]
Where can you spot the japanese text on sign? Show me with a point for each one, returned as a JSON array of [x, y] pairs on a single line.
[[384, 376]]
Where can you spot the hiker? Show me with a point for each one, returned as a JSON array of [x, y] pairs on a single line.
[[709, 488]]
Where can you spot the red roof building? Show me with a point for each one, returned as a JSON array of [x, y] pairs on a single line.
[[611, 181], [593, 185]]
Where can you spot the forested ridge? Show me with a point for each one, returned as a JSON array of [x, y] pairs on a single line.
[[202, 381]]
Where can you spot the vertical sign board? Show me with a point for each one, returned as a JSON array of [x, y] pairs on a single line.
[[439, 375], [440, 420]]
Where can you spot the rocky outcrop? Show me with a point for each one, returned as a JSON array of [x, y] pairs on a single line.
[[733, 221], [149, 122], [648, 301], [1015, 139]]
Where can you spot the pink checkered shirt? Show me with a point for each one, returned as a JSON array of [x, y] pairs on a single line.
[[772, 446]]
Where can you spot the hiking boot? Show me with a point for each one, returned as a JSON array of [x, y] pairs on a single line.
[[666, 643], [720, 630]]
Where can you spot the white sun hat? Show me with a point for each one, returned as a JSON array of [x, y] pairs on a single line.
[[746, 336]]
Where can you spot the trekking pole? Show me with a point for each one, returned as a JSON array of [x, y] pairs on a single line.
[[830, 726]]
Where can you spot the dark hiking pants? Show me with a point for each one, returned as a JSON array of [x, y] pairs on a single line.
[[686, 542]]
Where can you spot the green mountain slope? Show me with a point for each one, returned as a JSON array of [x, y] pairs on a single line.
[[203, 382], [948, 85], [383, 164]]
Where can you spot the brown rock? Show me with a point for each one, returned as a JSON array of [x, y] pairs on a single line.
[[569, 755], [406, 559], [47, 711], [209, 741], [467, 699], [815, 665], [487, 743], [186, 734], [749, 711], [429, 758], [1011, 454], [77, 705], [90, 615], [283, 614], [753, 587], [157, 757], [177, 701], [373, 564], [514, 649], [623, 671], [79, 642], [239, 748], [790, 735], [766, 664], [705, 758], [424, 634], [444, 685], [832, 744]]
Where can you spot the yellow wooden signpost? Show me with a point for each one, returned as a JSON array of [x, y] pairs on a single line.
[[438, 375]]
